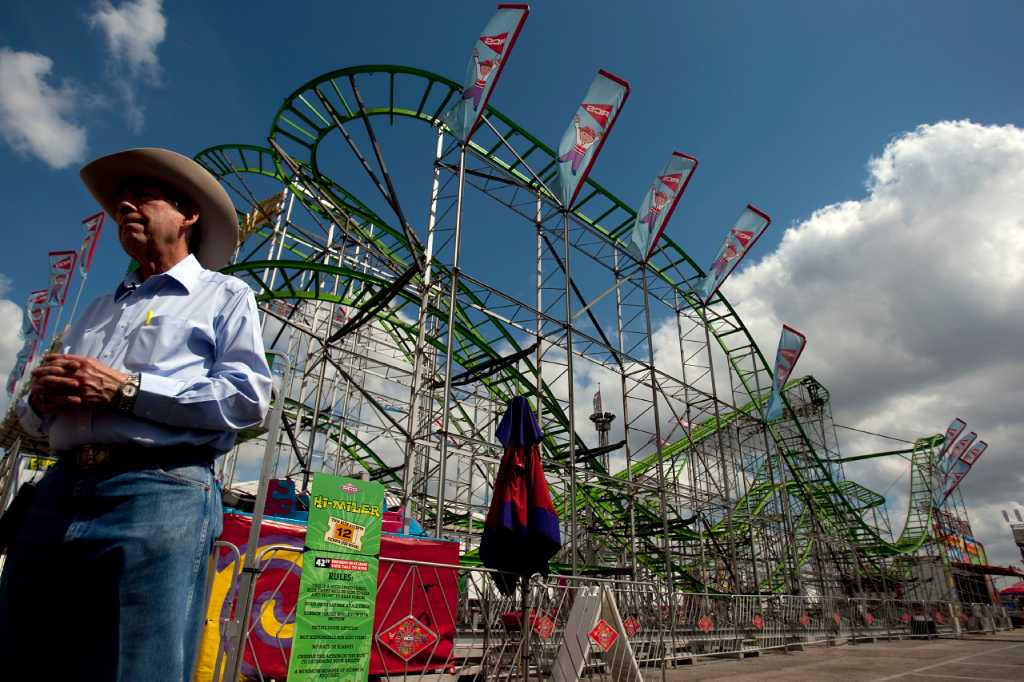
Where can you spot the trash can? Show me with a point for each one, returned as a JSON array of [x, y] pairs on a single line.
[[921, 626]]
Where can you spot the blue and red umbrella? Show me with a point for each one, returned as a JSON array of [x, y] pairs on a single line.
[[521, 532]]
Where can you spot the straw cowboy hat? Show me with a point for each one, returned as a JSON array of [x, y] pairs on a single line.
[[218, 223]]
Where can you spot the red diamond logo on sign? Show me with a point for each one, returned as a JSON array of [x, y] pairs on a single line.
[[600, 112], [939, 618], [705, 624], [868, 618], [805, 620], [603, 635], [836, 618], [544, 626], [758, 621], [496, 42], [671, 180], [350, 488], [631, 625], [407, 638], [905, 618]]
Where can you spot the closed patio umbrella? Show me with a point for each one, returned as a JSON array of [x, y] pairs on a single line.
[[521, 531]]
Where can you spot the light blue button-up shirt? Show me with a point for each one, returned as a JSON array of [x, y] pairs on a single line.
[[194, 337]]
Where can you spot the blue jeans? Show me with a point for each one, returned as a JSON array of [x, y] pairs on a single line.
[[107, 576]]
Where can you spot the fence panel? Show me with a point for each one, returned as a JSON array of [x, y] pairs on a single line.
[[449, 620]]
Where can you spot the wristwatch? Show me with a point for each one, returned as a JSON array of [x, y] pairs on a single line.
[[124, 399]]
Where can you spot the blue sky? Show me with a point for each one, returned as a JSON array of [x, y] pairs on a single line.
[[784, 103]]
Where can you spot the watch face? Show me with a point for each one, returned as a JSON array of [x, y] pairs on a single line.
[[129, 390]]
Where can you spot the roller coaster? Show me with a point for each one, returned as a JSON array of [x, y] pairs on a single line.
[[405, 346]]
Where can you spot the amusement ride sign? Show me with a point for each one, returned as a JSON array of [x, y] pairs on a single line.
[[334, 612]]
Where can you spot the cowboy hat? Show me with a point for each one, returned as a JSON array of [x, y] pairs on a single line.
[[218, 223]]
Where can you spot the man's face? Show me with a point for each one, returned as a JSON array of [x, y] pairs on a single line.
[[149, 220]]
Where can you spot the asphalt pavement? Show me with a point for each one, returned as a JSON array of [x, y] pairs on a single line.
[[978, 657]]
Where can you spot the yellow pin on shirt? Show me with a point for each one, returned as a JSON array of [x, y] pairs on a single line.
[[149, 316]]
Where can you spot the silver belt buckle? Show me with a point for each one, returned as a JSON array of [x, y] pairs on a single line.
[[92, 456]]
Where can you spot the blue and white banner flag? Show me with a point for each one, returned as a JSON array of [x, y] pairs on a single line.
[[959, 448], [741, 238], [950, 469], [962, 466], [972, 455], [953, 431], [62, 267], [943, 464], [660, 201], [490, 52], [37, 311], [33, 327], [791, 345], [582, 141]]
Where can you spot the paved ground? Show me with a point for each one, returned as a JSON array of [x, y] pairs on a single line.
[[987, 657]]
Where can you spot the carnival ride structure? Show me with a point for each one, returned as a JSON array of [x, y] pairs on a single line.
[[405, 352]]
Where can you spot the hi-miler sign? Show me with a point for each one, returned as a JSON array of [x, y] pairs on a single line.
[[345, 515], [338, 589]]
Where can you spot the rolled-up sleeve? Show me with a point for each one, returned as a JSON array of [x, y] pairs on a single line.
[[233, 395]]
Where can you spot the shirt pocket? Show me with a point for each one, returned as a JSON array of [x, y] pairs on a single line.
[[160, 346]]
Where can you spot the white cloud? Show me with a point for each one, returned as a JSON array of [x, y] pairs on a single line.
[[34, 114], [133, 31], [912, 298], [10, 338]]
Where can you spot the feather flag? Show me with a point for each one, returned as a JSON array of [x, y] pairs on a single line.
[[62, 267], [745, 232], [972, 455], [33, 328], [791, 345], [521, 531], [93, 227], [953, 431], [950, 470], [660, 201], [583, 139], [959, 448], [37, 310], [962, 466], [490, 53], [942, 465]]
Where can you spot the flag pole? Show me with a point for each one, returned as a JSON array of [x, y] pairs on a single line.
[[78, 297], [524, 623], [56, 325]]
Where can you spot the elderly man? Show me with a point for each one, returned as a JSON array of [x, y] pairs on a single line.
[[107, 577]]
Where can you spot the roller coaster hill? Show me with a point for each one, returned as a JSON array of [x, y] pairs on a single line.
[[406, 358], [397, 348]]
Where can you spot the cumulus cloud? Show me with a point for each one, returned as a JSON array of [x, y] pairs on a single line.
[[35, 115], [913, 301], [133, 31], [10, 338]]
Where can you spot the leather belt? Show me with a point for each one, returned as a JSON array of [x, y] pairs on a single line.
[[95, 456]]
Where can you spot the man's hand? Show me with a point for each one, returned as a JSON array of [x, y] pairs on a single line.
[[53, 387], [71, 381]]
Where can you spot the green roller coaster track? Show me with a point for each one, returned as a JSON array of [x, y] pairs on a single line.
[[323, 104]]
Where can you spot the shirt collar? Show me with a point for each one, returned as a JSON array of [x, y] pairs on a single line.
[[185, 272]]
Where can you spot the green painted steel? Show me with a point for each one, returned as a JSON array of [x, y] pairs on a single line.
[[301, 125]]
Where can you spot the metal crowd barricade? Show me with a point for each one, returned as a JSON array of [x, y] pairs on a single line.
[[764, 621], [440, 619], [642, 607], [944, 618], [448, 619], [286, 562]]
